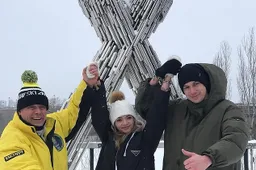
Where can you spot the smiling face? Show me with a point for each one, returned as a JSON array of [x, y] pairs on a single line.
[[125, 124], [34, 114], [195, 91]]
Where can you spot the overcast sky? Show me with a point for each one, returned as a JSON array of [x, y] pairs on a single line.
[[56, 40]]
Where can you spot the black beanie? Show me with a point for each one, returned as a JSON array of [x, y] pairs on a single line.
[[31, 93], [193, 72]]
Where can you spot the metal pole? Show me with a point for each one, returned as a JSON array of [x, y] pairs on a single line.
[[246, 160], [91, 158]]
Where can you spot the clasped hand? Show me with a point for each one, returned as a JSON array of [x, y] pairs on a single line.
[[91, 75]]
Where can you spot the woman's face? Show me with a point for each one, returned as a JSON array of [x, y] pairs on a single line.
[[125, 124]]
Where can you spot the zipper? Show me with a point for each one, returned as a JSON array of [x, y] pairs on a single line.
[[48, 142], [116, 160]]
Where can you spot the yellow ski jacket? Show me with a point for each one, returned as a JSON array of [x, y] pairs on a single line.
[[21, 148]]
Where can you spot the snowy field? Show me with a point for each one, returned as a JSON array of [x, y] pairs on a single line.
[[85, 163]]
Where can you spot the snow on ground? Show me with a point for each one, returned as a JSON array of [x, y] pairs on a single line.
[[85, 163]]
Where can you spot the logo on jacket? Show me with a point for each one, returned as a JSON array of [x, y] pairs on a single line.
[[13, 155], [57, 142], [135, 152]]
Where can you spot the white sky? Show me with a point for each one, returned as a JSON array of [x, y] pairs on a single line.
[[55, 39]]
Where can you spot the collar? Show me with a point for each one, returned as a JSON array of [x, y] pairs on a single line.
[[31, 130]]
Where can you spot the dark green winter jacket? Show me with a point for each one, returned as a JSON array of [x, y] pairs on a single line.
[[215, 127]]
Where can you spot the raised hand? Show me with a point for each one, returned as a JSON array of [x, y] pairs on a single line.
[[172, 66], [166, 83], [91, 74]]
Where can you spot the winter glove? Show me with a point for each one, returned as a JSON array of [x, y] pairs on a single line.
[[172, 66]]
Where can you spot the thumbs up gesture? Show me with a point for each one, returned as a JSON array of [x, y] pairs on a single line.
[[195, 161]]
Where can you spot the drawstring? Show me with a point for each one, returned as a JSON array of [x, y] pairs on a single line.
[[125, 149], [128, 143]]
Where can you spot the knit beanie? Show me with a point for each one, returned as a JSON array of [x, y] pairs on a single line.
[[120, 107], [31, 93], [193, 72]]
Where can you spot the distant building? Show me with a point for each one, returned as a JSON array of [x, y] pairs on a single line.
[[3, 103], [11, 103]]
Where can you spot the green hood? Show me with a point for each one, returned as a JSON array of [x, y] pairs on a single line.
[[218, 86], [218, 83]]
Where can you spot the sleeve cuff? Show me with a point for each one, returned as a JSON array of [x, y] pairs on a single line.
[[210, 156]]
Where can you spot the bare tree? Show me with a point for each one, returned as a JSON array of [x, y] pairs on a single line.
[[246, 79], [55, 103], [223, 60]]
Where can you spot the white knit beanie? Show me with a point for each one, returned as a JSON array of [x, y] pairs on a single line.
[[120, 107]]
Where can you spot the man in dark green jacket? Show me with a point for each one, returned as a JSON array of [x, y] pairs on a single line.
[[204, 131]]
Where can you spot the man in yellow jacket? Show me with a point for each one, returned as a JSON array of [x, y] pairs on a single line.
[[35, 140]]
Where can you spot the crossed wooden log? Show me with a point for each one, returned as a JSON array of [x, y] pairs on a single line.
[[124, 29]]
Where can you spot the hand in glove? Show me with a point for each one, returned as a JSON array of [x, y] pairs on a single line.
[[172, 66]]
